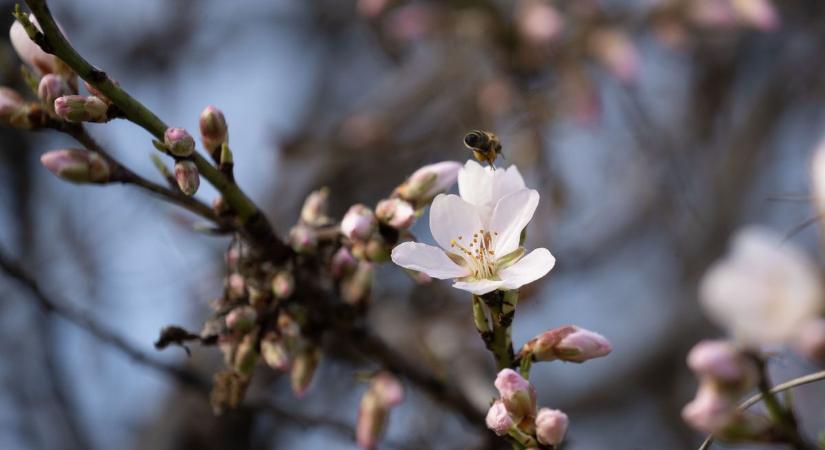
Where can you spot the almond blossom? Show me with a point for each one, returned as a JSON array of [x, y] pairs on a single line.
[[479, 234]]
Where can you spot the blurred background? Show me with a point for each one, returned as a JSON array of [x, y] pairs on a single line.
[[653, 129]]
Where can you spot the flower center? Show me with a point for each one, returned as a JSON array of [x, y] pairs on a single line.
[[478, 253]]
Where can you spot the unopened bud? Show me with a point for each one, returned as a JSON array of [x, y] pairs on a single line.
[[429, 181], [283, 284], [213, 129], [343, 263], [236, 285], [314, 211], [77, 166], [303, 368], [720, 360], [178, 142], [568, 343], [388, 389], [359, 223], [51, 88], [246, 356], [187, 176], [396, 213], [77, 108], [498, 419], [377, 249], [303, 239], [355, 290], [517, 394], [274, 352], [551, 426], [710, 411], [241, 318], [29, 51], [14, 112], [810, 342]]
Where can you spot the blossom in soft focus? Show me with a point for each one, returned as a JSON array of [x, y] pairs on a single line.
[[818, 176], [763, 290], [567, 343], [479, 242], [538, 22], [498, 419], [314, 210], [13, 109], [517, 394], [810, 342], [358, 223], [721, 361], [551, 426], [29, 51], [760, 14], [616, 52], [429, 181], [77, 166]]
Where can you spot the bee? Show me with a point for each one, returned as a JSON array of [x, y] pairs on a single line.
[[485, 146]]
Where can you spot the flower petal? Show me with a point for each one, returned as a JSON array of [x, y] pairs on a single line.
[[528, 269], [505, 182], [510, 216], [428, 259], [451, 217], [479, 287], [475, 184]]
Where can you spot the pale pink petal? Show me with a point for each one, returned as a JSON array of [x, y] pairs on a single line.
[[453, 218], [528, 269], [479, 287], [428, 259], [506, 181], [475, 183], [510, 216]]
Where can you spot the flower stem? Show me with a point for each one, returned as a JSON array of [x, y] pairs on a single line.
[[501, 307], [782, 416]]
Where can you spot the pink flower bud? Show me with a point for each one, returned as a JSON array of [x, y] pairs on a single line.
[[236, 285], [303, 368], [283, 284], [551, 426], [372, 419], [314, 211], [77, 166], [388, 389], [77, 108], [517, 394], [568, 343], [429, 181], [355, 290], [179, 142], [710, 411], [51, 88], [14, 112], [396, 213], [274, 352], [343, 263], [29, 51], [214, 131], [246, 356], [303, 239], [810, 342], [498, 419], [187, 176], [359, 223], [721, 360], [241, 318]]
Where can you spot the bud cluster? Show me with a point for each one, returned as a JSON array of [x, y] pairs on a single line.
[[384, 393], [514, 413]]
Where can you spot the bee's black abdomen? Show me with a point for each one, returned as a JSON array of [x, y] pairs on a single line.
[[472, 139]]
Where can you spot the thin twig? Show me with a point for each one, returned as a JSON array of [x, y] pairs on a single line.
[[800, 381]]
